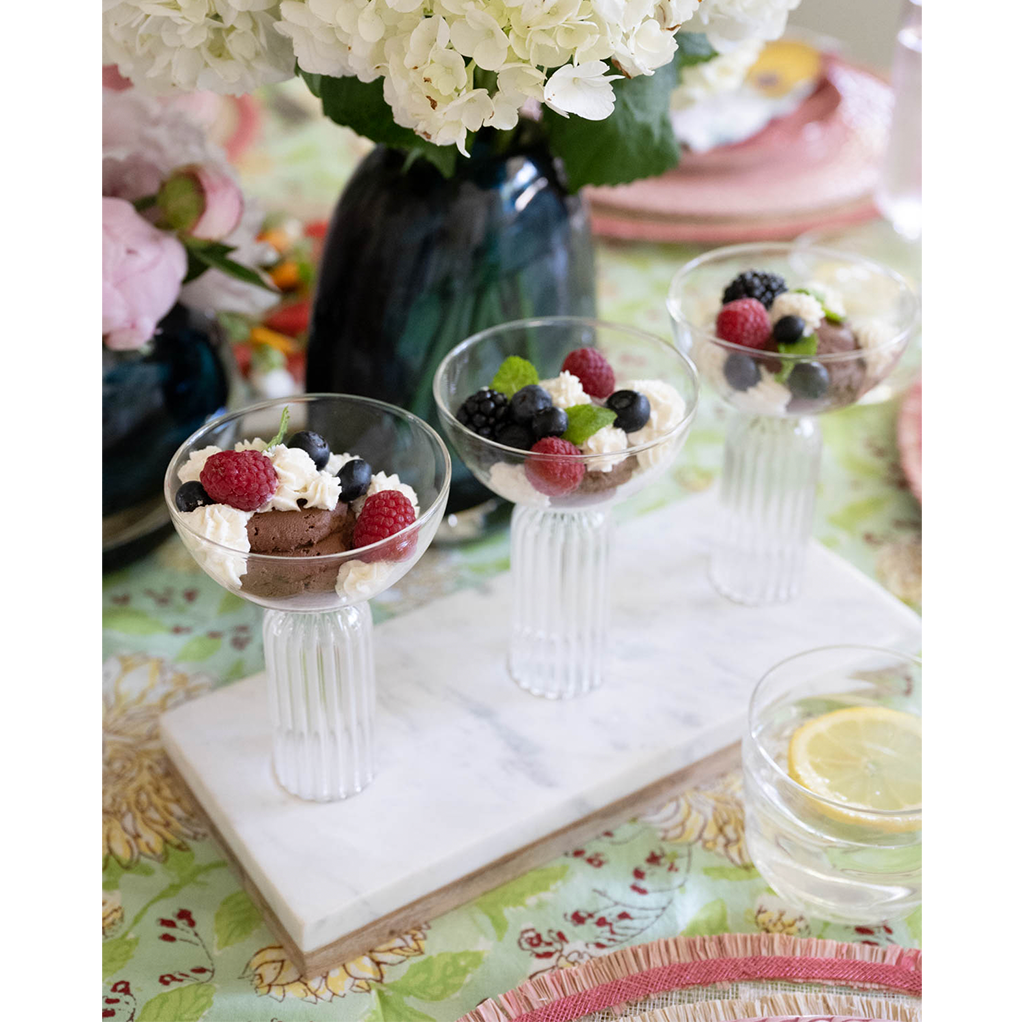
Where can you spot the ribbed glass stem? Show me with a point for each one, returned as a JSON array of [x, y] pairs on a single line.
[[767, 508], [560, 615], [322, 696]]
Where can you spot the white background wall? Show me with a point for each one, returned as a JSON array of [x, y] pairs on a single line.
[[867, 28]]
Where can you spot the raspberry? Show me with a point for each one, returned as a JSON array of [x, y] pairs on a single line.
[[554, 476], [385, 513], [591, 368], [745, 322], [242, 479]]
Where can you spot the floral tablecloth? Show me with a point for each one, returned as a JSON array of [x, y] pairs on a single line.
[[182, 941]]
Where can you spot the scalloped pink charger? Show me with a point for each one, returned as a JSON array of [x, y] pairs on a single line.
[[813, 168]]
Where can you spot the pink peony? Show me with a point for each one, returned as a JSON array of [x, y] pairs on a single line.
[[201, 200], [142, 273]]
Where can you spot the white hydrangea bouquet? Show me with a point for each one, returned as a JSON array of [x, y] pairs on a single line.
[[428, 75]]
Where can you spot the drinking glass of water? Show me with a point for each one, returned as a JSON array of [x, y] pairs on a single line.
[[832, 782], [899, 188]]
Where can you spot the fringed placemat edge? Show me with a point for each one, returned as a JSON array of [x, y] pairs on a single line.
[[632, 973]]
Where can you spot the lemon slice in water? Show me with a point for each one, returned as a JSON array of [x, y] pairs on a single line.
[[865, 758]]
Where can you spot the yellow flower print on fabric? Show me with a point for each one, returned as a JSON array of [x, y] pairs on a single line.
[[145, 807], [273, 975], [710, 816]]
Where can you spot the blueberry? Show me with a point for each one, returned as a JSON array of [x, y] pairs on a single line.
[[313, 444], [632, 410], [190, 496], [809, 380], [549, 422], [354, 477], [515, 434], [788, 329], [741, 372], [528, 401]]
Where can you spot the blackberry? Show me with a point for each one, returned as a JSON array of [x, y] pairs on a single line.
[[483, 412], [759, 284]]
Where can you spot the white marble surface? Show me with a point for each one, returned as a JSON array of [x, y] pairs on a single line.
[[472, 768]]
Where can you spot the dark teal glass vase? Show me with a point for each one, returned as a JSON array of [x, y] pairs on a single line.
[[153, 400], [414, 263]]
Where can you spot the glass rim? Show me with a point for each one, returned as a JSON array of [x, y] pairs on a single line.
[[674, 304], [871, 814], [316, 559], [581, 458]]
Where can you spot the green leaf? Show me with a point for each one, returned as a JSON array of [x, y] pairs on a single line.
[[731, 872], [711, 919], [694, 48], [585, 421], [914, 924], [114, 870], [513, 374], [439, 977], [390, 1007], [806, 345], [117, 953], [185, 1004], [215, 255], [361, 106], [131, 621], [230, 603], [851, 517], [516, 894], [235, 919], [200, 647], [281, 429], [637, 139]]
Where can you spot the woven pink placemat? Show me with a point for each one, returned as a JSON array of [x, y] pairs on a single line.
[[908, 438], [634, 979]]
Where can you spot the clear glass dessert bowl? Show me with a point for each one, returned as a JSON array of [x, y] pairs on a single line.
[[834, 331], [297, 559], [561, 523]]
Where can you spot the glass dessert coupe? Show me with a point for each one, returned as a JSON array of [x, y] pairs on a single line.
[[832, 782], [773, 446], [317, 628], [561, 534]]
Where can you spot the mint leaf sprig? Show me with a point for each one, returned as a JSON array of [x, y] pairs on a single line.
[[806, 345], [585, 421], [282, 429]]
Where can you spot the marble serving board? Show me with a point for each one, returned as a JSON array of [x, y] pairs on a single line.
[[477, 780]]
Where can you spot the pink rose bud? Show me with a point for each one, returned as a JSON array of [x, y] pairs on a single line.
[[142, 273], [200, 200]]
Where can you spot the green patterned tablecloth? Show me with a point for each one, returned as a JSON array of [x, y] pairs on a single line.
[[182, 941]]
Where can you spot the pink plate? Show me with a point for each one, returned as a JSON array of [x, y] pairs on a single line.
[[813, 168], [908, 438]]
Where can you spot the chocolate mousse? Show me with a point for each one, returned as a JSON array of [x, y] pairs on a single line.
[[847, 376], [304, 533]]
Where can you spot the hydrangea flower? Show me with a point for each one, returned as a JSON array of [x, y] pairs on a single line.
[[449, 67], [226, 46]]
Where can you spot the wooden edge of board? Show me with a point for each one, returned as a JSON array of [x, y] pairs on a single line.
[[493, 874]]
